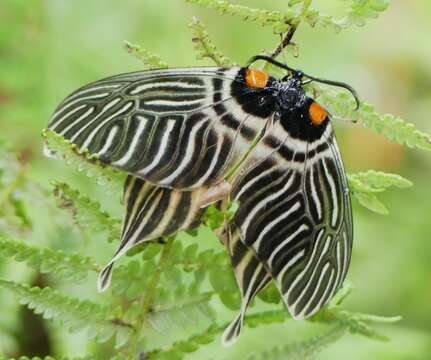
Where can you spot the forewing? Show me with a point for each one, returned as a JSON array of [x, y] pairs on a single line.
[[179, 128], [295, 214]]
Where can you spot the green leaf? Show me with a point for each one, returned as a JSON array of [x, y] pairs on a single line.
[[278, 20], [213, 217], [270, 294], [100, 321], [150, 61], [266, 317], [376, 181], [364, 185], [86, 213], [66, 266], [362, 10], [203, 45], [395, 129], [371, 202], [356, 323], [359, 12], [83, 161]]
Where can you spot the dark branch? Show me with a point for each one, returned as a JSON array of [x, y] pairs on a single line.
[[284, 42]]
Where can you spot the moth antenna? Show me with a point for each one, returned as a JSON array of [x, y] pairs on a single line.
[[334, 83], [300, 74]]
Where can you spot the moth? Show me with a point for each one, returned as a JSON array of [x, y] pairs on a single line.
[[189, 137]]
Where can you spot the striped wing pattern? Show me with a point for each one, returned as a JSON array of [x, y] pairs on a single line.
[[152, 212], [250, 274], [179, 132], [295, 215], [179, 128]]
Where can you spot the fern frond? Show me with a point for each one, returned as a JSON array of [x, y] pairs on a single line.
[[150, 61], [395, 129], [306, 349], [86, 213], [364, 185], [315, 18], [72, 267], [179, 349], [83, 161], [376, 181], [100, 322], [362, 10], [278, 20], [182, 309], [359, 12], [13, 184], [356, 323], [266, 317], [132, 279], [203, 45]]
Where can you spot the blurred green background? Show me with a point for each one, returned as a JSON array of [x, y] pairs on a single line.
[[48, 48]]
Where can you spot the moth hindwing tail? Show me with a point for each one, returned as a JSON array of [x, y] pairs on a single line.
[[152, 212]]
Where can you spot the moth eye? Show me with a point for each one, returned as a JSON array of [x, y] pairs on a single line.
[[317, 113], [256, 78]]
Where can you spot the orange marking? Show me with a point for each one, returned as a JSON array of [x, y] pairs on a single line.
[[317, 113], [256, 78]]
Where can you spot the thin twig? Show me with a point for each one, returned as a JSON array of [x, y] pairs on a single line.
[[293, 27], [285, 41]]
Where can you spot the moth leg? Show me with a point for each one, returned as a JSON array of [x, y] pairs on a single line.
[[215, 193], [251, 277]]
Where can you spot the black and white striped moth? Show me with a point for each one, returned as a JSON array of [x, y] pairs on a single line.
[[179, 133]]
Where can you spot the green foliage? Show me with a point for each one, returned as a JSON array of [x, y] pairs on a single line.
[[86, 213], [83, 161], [13, 186], [150, 61], [358, 13], [73, 267], [76, 315], [203, 45], [362, 10], [278, 20], [395, 129], [356, 323], [302, 350], [166, 286], [364, 185], [179, 349]]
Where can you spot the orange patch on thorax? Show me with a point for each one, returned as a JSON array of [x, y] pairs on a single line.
[[256, 78], [317, 113]]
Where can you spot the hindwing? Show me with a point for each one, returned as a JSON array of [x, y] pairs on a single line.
[[295, 214], [152, 212]]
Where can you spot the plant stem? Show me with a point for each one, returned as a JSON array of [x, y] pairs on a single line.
[[147, 299], [293, 27]]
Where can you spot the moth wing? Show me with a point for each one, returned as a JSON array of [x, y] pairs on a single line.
[[295, 214], [251, 277], [152, 212], [179, 128]]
